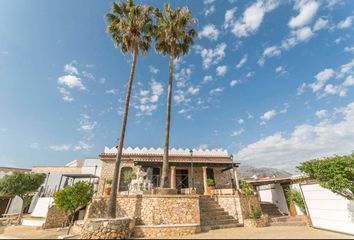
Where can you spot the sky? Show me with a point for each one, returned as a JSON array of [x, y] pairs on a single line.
[[271, 81]]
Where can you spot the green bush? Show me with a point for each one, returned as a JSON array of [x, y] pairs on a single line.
[[210, 182], [295, 197], [334, 173], [128, 176], [246, 188], [255, 214]]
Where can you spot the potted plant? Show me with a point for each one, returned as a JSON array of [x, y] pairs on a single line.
[[108, 187], [211, 184]]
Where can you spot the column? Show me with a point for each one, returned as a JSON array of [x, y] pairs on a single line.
[[205, 180], [173, 177], [236, 178]]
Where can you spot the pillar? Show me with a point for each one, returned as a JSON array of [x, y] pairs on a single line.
[[205, 180], [236, 178], [173, 177]]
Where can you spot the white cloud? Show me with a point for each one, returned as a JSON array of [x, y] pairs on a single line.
[[331, 89], [252, 17], [209, 31], [307, 10], [153, 69], [250, 74], [203, 146], [233, 83], [34, 145], [147, 99], [320, 24], [346, 23], [242, 61], [180, 97], [207, 78], [221, 70], [102, 80], [237, 133], [87, 125], [70, 68], [183, 76], [216, 90], [321, 113], [280, 69], [209, 10], [306, 142], [321, 78], [241, 121], [193, 90], [60, 148], [349, 49], [66, 95], [112, 91], [211, 56], [268, 116], [71, 81], [249, 116], [82, 146], [208, 1], [349, 81], [229, 17]]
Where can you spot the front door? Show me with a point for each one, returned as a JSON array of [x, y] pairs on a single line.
[[182, 179]]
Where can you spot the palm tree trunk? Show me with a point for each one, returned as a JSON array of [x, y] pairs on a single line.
[[164, 177], [113, 197]]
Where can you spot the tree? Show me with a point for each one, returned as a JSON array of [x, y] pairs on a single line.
[[173, 37], [335, 173], [131, 29], [72, 198], [22, 185]]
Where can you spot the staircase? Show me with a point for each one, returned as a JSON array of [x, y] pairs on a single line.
[[212, 216], [271, 209], [277, 218]]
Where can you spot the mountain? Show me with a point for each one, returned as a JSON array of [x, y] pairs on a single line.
[[247, 171]]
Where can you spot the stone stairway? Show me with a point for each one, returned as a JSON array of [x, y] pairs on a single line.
[[271, 209], [277, 218], [212, 216]]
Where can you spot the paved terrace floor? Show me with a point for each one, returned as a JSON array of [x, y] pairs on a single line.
[[231, 233]]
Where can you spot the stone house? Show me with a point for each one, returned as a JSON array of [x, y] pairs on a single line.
[[187, 169]]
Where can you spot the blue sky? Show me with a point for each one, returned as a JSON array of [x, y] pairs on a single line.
[[271, 81]]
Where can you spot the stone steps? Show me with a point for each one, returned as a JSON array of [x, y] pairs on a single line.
[[270, 209], [287, 221], [212, 216]]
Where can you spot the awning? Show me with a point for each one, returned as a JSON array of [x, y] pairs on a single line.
[[79, 175]]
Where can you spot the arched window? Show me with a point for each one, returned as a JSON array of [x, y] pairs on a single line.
[[122, 185]]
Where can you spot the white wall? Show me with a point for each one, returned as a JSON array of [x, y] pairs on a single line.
[[328, 210], [15, 206], [41, 208], [90, 165], [274, 195]]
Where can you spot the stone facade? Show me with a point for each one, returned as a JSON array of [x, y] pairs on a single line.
[[55, 218], [107, 228], [222, 179]]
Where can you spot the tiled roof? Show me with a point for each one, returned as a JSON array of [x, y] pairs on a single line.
[[173, 152]]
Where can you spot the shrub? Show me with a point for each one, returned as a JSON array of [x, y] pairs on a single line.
[[210, 182], [295, 197], [255, 214], [246, 188]]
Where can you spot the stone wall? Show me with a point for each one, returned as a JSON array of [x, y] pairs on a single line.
[[55, 218], [151, 209], [107, 228], [237, 205], [247, 202], [166, 230], [222, 179]]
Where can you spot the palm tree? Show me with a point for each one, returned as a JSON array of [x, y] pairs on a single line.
[[130, 27], [174, 35]]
